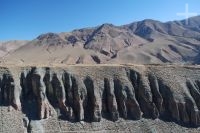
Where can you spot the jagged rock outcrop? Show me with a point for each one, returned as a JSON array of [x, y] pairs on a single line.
[[93, 93]]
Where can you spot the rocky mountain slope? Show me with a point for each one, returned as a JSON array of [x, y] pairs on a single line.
[[104, 98], [7, 47], [41, 90], [143, 42]]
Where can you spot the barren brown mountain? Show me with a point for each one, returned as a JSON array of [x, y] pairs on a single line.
[[142, 42], [135, 78]]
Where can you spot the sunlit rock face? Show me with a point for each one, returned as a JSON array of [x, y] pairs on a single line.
[[90, 98]]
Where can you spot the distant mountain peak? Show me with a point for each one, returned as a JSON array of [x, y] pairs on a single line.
[[47, 36], [107, 25], [146, 41]]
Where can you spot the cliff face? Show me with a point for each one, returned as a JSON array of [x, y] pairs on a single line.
[[85, 94]]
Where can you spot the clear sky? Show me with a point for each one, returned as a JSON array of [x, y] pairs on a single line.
[[26, 19]]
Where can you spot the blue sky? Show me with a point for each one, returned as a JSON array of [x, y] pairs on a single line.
[[26, 19]]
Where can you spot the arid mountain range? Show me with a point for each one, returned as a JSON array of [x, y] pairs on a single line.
[[142, 42], [114, 79]]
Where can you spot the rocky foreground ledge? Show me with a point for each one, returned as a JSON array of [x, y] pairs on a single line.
[[128, 98]]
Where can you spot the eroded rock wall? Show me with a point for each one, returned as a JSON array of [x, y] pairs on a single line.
[[93, 93]]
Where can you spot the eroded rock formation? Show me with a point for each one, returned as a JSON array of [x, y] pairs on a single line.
[[91, 93]]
